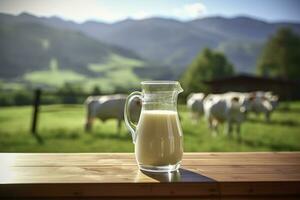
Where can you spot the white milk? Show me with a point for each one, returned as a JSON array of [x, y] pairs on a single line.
[[159, 138]]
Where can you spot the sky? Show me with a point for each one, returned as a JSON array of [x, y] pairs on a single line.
[[115, 10]]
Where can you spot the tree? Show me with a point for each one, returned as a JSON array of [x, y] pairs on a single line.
[[69, 93], [96, 90], [281, 56], [206, 66]]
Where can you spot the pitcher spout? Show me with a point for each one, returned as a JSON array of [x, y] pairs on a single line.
[[179, 88]]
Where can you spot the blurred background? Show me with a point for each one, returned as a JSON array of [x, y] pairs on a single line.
[[54, 54]]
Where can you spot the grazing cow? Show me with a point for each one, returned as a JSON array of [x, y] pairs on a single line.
[[245, 98], [273, 99], [109, 107], [219, 108], [195, 104], [264, 102]]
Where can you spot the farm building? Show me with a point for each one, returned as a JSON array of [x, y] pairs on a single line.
[[287, 89]]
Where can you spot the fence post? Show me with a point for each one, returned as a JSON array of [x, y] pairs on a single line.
[[36, 104]]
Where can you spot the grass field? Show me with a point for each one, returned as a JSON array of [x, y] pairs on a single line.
[[61, 127], [108, 75], [53, 78]]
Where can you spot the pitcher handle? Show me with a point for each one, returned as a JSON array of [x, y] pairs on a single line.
[[130, 125]]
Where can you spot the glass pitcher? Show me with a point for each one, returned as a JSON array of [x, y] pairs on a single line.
[[158, 135]]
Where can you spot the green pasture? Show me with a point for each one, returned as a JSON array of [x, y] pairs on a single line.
[[53, 78], [116, 62], [61, 128], [116, 72]]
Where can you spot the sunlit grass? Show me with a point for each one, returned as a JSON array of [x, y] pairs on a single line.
[[116, 72], [116, 62], [53, 78]]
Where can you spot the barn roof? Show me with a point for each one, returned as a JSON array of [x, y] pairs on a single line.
[[247, 78]]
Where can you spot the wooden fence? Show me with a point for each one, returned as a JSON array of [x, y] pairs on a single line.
[[36, 108]]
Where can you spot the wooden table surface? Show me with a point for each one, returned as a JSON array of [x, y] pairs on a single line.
[[94, 175]]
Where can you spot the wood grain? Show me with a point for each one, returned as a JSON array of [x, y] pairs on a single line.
[[205, 175]]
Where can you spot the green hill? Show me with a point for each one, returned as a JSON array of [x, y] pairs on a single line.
[[41, 55]]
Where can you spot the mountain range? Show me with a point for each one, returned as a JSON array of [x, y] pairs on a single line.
[[167, 43], [176, 43]]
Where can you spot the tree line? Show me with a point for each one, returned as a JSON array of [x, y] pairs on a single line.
[[280, 59]]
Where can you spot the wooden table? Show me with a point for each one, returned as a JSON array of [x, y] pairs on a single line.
[[115, 175]]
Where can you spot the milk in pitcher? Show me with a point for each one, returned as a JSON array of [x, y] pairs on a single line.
[[159, 138]]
